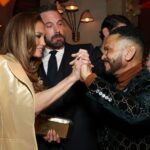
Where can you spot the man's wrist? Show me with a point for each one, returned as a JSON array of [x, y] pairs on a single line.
[[89, 79]]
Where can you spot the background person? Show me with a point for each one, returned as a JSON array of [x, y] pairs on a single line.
[[112, 22], [71, 105], [109, 23]]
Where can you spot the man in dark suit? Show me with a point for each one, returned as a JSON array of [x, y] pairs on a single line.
[[73, 104]]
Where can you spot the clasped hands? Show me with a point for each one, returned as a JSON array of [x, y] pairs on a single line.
[[81, 65]]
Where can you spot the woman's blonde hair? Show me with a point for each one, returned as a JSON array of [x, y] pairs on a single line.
[[19, 39]]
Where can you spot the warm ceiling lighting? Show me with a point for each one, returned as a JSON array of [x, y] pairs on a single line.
[[69, 16], [86, 16], [4, 2], [71, 6]]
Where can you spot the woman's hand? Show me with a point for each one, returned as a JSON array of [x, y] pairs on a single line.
[[81, 65], [83, 55], [52, 136]]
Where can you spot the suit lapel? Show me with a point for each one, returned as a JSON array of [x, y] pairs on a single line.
[[65, 68]]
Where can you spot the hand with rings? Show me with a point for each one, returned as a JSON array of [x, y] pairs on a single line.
[[82, 55], [81, 64]]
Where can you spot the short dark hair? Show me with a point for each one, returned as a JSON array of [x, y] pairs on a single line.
[[49, 6], [133, 34], [112, 21]]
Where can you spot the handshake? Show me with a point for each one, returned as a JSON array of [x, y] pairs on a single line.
[[81, 65]]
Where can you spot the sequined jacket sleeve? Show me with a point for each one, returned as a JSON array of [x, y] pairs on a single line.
[[132, 104]]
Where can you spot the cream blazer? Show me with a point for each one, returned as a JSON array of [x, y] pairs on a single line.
[[17, 108]]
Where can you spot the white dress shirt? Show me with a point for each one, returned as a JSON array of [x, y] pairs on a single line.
[[45, 59]]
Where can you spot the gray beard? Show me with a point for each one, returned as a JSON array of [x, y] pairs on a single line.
[[57, 45]]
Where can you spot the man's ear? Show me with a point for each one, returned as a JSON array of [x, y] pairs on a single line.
[[130, 52], [105, 32]]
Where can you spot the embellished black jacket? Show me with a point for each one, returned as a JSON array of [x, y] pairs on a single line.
[[125, 119]]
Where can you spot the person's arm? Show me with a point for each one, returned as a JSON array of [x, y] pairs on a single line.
[[47, 97], [132, 104]]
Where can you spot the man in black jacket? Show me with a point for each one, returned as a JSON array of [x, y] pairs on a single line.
[[72, 104], [125, 106]]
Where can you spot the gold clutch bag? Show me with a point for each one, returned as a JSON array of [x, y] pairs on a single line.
[[44, 123]]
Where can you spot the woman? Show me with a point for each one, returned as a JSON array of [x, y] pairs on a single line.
[[21, 95]]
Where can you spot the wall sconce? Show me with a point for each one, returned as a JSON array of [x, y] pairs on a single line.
[[70, 10]]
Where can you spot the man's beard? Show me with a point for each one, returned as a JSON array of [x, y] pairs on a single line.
[[114, 66], [56, 42]]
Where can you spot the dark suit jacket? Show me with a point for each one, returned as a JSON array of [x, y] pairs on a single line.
[[124, 113], [72, 106]]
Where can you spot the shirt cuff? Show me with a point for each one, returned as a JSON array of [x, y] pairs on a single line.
[[90, 79]]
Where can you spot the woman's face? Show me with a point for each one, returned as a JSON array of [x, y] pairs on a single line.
[[39, 38]]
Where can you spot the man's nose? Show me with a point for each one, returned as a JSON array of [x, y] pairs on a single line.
[[56, 29], [104, 55]]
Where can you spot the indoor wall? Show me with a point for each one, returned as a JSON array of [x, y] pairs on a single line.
[[89, 32]]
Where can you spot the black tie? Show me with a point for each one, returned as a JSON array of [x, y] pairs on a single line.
[[52, 66]]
